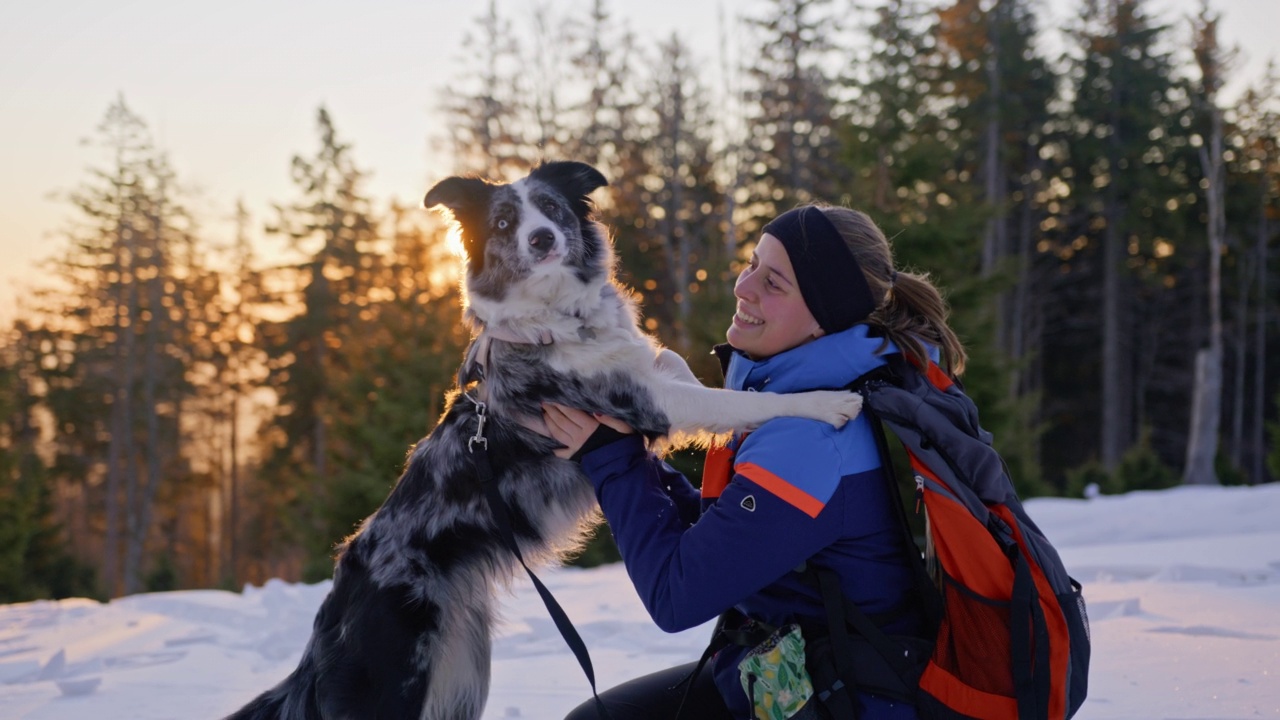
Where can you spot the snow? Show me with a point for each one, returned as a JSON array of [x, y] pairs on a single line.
[[1183, 588]]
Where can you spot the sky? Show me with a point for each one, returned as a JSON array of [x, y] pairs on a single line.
[[230, 91], [1182, 588]]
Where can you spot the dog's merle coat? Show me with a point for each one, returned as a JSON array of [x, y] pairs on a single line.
[[405, 631]]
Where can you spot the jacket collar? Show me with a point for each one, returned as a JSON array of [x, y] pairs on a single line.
[[829, 362]]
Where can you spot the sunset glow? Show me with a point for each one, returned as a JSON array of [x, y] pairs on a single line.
[[453, 241]]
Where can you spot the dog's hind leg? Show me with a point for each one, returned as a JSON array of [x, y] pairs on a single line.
[[459, 655]]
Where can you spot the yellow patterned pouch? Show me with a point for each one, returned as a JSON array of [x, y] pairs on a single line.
[[774, 676]]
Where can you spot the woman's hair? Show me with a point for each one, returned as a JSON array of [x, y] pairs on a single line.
[[912, 311]]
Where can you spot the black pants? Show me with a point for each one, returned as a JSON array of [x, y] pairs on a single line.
[[657, 697]]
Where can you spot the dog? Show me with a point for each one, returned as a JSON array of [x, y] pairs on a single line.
[[405, 629]]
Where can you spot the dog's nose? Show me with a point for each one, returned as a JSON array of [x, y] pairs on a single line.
[[542, 241]]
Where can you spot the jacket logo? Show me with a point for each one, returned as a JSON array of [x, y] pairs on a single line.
[[749, 503]]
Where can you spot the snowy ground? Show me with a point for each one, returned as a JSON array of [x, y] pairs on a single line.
[[1183, 589]]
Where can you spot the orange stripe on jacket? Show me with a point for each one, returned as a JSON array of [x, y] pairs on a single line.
[[793, 495]]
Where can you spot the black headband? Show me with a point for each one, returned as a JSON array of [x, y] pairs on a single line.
[[830, 280]]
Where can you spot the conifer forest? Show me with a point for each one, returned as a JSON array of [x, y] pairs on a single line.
[[181, 408]]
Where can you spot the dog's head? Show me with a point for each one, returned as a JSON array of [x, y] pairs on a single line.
[[539, 226]]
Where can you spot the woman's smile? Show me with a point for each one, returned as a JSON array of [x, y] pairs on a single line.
[[742, 317]]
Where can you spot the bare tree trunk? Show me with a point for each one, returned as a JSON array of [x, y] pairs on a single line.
[[732, 122], [119, 435], [679, 232], [1244, 282], [111, 541], [1206, 407], [129, 279], [991, 240], [1021, 313], [120, 448], [1116, 392], [141, 503], [995, 236], [1257, 474], [243, 274], [795, 180], [233, 522], [320, 402]]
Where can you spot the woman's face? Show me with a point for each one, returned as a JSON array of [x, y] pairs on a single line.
[[771, 316]]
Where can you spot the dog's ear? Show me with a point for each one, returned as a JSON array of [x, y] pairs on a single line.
[[459, 194], [574, 179], [467, 199]]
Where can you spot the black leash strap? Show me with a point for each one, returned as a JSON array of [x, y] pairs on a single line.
[[502, 518], [718, 642], [745, 633]]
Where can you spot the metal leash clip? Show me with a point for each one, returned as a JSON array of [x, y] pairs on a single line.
[[481, 418]]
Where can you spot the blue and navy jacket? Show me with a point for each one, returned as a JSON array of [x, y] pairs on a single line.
[[799, 490]]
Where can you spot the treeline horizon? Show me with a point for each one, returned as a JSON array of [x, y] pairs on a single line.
[[178, 412]]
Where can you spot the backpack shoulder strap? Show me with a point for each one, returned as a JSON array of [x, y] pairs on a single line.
[[926, 592], [902, 661], [892, 374]]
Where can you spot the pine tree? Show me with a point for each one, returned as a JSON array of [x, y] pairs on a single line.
[[100, 269], [605, 64], [34, 559], [1000, 91], [485, 112], [913, 167], [332, 227], [173, 291], [390, 389], [683, 205], [113, 337], [1004, 87], [891, 130], [1257, 172], [792, 147], [1126, 149]]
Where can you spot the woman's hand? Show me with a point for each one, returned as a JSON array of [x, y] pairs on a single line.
[[572, 427]]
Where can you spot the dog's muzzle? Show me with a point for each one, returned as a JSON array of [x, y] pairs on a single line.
[[541, 242]]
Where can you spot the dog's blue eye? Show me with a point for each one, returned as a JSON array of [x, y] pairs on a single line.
[[502, 224]]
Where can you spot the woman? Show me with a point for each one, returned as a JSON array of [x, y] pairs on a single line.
[[819, 306]]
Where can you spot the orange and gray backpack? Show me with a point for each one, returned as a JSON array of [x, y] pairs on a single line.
[[1012, 635]]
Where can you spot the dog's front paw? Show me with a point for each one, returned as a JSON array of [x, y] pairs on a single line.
[[836, 407]]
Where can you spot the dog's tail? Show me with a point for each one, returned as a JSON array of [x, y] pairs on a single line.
[[293, 699], [267, 706]]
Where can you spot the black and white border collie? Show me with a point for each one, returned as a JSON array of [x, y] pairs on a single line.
[[405, 631]]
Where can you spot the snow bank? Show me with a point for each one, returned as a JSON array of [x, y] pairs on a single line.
[[1183, 588]]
